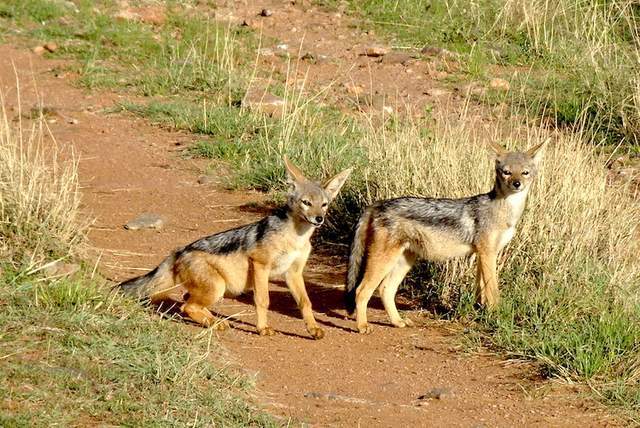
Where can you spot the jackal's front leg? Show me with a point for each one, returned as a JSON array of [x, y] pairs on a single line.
[[261, 297], [295, 282], [487, 292]]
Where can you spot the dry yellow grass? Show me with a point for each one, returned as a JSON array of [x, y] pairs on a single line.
[[39, 196], [577, 225]]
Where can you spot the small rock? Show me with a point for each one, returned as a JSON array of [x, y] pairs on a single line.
[[263, 101], [39, 50], [353, 88], [376, 102], [375, 51], [60, 269], [499, 84], [397, 58], [146, 221], [436, 92], [126, 15], [153, 15], [439, 393], [51, 47], [73, 121], [439, 75], [473, 89], [206, 179], [308, 57], [149, 15], [266, 52], [438, 52], [282, 46], [266, 12]]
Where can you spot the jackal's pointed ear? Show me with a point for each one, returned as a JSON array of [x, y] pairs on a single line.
[[536, 151], [333, 185], [293, 172], [497, 149]]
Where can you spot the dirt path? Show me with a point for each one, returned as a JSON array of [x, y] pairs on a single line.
[[128, 167]]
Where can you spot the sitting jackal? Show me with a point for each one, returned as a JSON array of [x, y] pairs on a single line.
[[245, 258]]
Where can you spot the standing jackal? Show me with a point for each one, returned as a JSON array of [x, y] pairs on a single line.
[[391, 234], [239, 259]]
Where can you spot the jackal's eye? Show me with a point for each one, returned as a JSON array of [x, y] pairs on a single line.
[[525, 172], [324, 205], [505, 172], [306, 203]]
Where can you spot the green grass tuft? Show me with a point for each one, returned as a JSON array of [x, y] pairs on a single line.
[[75, 353]]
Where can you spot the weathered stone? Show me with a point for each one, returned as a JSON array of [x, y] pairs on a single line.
[[206, 179], [473, 89], [439, 393], [266, 52], [51, 47], [39, 50], [60, 269], [146, 221], [397, 58], [353, 88], [266, 12], [375, 51], [499, 84], [262, 101], [438, 52], [436, 92]]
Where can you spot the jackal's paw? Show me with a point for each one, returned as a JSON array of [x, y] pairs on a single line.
[[316, 332], [404, 322], [220, 325], [364, 329], [266, 331]]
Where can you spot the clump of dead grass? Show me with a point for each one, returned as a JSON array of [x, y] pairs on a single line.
[[39, 198]]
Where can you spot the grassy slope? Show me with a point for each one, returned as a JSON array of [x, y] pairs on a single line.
[[76, 354], [71, 351], [569, 302], [575, 61]]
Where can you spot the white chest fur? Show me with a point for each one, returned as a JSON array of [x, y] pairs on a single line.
[[283, 262], [516, 203]]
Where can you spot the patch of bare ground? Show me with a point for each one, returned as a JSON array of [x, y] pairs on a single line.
[[410, 377]]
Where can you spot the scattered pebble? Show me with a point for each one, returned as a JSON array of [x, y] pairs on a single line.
[[499, 84], [206, 179], [438, 52], [267, 52], [146, 221], [436, 92], [439, 393], [353, 88], [60, 269], [266, 12], [397, 58], [375, 51], [263, 101], [51, 47]]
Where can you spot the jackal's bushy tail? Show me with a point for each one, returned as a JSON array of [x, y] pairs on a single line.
[[357, 260], [143, 287]]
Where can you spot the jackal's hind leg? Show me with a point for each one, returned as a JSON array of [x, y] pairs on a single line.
[[389, 288], [382, 256], [205, 287]]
